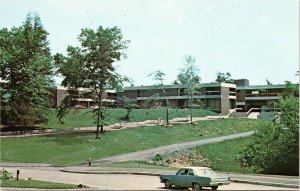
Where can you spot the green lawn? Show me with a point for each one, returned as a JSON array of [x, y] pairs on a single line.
[[222, 155], [37, 184], [72, 148], [84, 117]]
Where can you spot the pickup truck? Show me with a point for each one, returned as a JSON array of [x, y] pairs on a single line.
[[195, 177]]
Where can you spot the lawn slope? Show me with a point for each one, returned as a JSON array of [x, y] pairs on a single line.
[[84, 117], [73, 148]]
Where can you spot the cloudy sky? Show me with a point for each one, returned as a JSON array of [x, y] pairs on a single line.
[[253, 39]]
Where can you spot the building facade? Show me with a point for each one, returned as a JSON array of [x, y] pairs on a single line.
[[259, 97], [79, 99], [218, 97]]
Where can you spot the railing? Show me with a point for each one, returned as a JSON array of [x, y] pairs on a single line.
[[263, 94], [231, 111], [262, 109]]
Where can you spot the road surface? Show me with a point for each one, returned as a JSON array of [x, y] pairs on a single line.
[[114, 181]]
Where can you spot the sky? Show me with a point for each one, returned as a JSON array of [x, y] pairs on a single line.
[[252, 39]]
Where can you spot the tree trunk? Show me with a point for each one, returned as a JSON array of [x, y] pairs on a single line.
[[102, 118], [99, 115], [101, 110], [191, 115], [167, 115], [191, 107], [127, 115], [98, 124]]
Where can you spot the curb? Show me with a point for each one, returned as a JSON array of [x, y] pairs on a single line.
[[156, 174], [110, 172], [265, 183], [25, 165]]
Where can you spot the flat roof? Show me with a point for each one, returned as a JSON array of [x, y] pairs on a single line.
[[214, 84], [256, 87], [80, 89]]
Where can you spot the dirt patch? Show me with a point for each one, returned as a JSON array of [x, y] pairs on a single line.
[[180, 159]]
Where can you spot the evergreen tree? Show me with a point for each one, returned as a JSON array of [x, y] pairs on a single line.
[[26, 72]]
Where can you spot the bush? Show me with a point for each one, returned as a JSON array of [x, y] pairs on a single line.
[[5, 175], [276, 145], [157, 157]]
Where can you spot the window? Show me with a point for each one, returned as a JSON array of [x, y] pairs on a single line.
[[183, 172], [191, 172]]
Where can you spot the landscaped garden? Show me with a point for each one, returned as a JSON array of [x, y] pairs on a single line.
[[74, 148]]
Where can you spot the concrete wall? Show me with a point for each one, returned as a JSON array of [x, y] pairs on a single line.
[[58, 96], [225, 103]]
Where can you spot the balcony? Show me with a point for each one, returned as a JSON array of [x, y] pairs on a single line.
[[262, 98], [263, 94], [182, 97]]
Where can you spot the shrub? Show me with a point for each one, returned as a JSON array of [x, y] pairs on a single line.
[[5, 175]]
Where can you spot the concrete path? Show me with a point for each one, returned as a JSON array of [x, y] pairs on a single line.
[[116, 126], [144, 154]]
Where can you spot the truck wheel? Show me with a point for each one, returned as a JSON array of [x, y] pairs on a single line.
[[168, 184], [197, 186], [214, 187]]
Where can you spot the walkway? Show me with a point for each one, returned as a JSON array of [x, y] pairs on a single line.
[[115, 126], [144, 154]]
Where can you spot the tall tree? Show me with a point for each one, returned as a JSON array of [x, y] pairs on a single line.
[[190, 72], [159, 77], [222, 77], [189, 77], [26, 72], [91, 66]]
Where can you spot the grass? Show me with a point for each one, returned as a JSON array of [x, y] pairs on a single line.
[[84, 117], [223, 155], [73, 148], [37, 184]]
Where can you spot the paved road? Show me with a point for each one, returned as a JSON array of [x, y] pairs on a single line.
[[170, 148], [114, 181]]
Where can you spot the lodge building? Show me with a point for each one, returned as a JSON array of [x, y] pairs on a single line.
[[218, 97]]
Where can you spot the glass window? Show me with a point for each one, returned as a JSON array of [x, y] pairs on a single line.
[[183, 172], [191, 172], [205, 172]]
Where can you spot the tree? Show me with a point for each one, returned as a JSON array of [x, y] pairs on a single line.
[[159, 77], [189, 72], [276, 145], [26, 72], [91, 66], [190, 79], [269, 82], [224, 78], [129, 104]]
